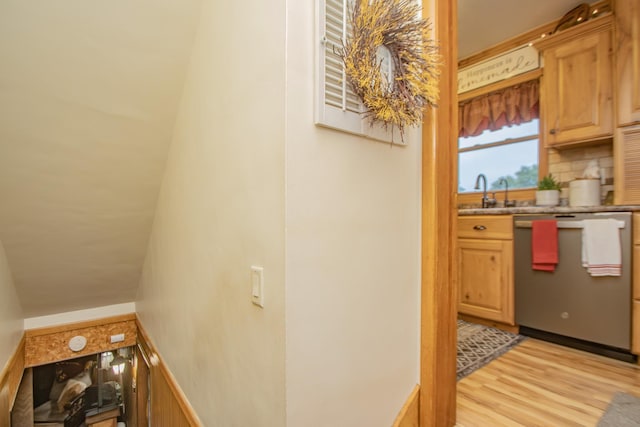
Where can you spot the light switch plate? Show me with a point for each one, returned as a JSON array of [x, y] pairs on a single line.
[[117, 338], [257, 285]]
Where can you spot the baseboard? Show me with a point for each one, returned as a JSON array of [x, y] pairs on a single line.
[[10, 378], [604, 350], [166, 393], [409, 415]]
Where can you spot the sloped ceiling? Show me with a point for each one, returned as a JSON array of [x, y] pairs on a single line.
[[484, 23], [88, 95]]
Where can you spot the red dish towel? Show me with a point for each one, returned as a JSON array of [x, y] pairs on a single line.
[[544, 244]]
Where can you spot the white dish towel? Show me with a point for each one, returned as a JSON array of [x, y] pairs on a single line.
[[601, 253]]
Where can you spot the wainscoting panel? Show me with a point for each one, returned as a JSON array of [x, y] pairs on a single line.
[[169, 406], [22, 412], [9, 382]]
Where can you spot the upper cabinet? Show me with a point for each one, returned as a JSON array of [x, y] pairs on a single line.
[[577, 93], [628, 61], [626, 147]]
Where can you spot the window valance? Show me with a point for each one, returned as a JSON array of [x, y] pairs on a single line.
[[505, 107]]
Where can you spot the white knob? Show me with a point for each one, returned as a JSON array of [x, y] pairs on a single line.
[[77, 343], [154, 359]]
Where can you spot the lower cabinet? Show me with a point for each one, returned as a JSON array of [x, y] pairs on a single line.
[[485, 267], [635, 327], [635, 308]]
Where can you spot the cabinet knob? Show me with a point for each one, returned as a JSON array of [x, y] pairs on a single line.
[[479, 227], [552, 131]]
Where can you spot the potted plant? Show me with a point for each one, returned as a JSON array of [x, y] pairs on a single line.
[[548, 193]]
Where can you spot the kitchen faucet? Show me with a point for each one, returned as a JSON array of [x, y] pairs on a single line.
[[486, 201], [507, 203]]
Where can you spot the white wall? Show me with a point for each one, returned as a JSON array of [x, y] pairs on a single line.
[[352, 260], [221, 210], [11, 318], [340, 215], [79, 315]]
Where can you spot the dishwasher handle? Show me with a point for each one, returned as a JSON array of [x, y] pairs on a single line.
[[561, 224]]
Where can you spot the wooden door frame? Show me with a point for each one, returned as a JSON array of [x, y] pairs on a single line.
[[439, 212]]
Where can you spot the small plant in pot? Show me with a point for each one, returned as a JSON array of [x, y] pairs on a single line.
[[548, 193]]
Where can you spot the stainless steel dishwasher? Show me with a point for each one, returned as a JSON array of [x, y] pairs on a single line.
[[569, 306]]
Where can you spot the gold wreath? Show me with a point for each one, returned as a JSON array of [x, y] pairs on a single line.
[[397, 100]]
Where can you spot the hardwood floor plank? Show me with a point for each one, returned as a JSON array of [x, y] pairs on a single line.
[[542, 384]]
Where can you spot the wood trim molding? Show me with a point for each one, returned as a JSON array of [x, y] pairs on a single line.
[[10, 378], [592, 26], [517, 194], [439, 211], [409, 415], [167, 382]]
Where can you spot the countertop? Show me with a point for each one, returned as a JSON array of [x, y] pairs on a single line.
[[547, 210]]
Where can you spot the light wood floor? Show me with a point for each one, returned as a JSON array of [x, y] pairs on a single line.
[[543, 384]]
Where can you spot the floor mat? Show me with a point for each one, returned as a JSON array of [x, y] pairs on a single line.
[[479, 345], [623, 411]]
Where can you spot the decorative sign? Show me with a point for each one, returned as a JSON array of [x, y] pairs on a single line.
[[501, 67]]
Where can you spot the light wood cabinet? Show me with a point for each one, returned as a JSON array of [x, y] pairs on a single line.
[[485, 267], [626, 155], [577, 93], [628, 61], [635, 308]]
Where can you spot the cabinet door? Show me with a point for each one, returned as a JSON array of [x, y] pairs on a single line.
[[485, 279], [635, 308], [626, 154], [635, 328], [628, 61], [577, 94]]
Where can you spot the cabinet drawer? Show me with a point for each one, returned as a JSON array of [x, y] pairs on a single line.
[[486, 227]]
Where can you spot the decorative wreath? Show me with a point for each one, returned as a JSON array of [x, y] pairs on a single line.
[[398, 99]]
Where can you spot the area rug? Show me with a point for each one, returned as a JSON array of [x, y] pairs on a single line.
[[479, 345], [623, 411]]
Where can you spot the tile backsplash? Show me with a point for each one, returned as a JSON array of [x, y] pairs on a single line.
[[569, 164]]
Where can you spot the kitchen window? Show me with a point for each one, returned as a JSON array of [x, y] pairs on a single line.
[[499, 137], [510, 153]]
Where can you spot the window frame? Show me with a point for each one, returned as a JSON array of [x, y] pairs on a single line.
[[498, 143]]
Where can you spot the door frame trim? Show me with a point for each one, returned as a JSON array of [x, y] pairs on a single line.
[[439, 211]]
